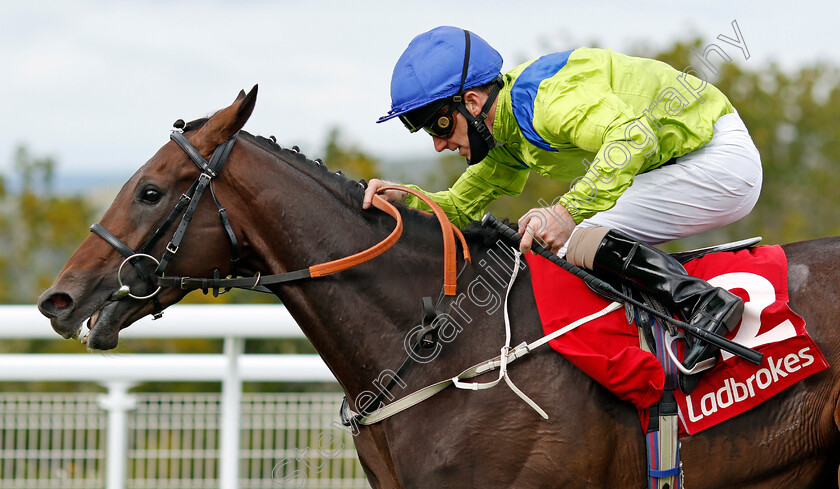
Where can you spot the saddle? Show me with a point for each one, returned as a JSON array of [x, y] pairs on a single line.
[[686, 256]]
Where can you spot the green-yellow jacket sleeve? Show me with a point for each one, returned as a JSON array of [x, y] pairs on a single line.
[[479, 185], [591, 117]]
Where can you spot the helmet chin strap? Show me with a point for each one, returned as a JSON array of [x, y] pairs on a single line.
[[480, 138]]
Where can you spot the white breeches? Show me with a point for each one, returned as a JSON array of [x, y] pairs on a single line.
[[705, 189]]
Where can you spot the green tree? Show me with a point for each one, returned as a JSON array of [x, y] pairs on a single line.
[[345, 156], [39, 229]]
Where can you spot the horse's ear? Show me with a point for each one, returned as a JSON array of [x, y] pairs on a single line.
[[224, 123]]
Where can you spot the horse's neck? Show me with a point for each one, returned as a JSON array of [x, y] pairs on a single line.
[[356, 319]]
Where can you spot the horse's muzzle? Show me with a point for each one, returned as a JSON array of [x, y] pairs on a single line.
[[58, 306]]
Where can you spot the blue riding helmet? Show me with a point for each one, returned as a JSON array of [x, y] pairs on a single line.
[[431, 69]]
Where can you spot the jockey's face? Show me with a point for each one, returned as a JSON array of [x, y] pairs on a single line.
[[459, 140]]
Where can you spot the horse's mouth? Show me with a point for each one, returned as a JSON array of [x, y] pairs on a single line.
[[91, 322], [104, 314], [103, 332]]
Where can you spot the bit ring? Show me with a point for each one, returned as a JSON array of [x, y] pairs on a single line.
[[119, 275]]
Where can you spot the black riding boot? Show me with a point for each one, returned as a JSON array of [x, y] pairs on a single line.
[[658, 273]]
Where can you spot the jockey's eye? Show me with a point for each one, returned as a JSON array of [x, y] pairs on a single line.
[[150, 195]]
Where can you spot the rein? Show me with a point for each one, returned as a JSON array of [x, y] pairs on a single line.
[[330, 267], [189, 201], [188, 204]]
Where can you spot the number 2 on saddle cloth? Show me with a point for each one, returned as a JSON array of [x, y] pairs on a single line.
[[608, 350]]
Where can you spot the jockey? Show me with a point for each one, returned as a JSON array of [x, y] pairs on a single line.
[[654, 154]]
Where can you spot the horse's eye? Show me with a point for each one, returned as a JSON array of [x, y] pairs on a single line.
[[150, 195]]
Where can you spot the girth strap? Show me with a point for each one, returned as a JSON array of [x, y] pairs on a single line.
[[662, 437]]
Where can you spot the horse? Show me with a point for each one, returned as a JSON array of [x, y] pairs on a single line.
[[288, 212]]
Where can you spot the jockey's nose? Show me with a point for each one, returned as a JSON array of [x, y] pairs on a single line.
[[440, 143]]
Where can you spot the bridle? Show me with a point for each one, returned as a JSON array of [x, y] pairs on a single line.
[[427, 334], [188, 202]]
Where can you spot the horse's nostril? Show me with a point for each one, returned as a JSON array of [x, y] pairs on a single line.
[[60, 301], [54, 305]]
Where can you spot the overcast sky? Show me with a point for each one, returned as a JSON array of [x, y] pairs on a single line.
[[97, 84]]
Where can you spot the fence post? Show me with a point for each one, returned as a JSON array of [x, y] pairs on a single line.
[[231, 414], [117, 402]]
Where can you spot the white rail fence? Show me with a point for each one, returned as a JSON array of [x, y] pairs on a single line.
[[121, 439]]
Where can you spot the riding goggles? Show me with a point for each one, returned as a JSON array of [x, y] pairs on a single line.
[[441, 125], [422, 116]]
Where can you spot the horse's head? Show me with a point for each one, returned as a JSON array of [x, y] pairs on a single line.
[[101, 284]]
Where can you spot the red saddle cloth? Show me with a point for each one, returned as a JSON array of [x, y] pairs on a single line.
[[607, 349]]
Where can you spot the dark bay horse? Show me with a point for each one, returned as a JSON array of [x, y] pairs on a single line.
[[288, 213]]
